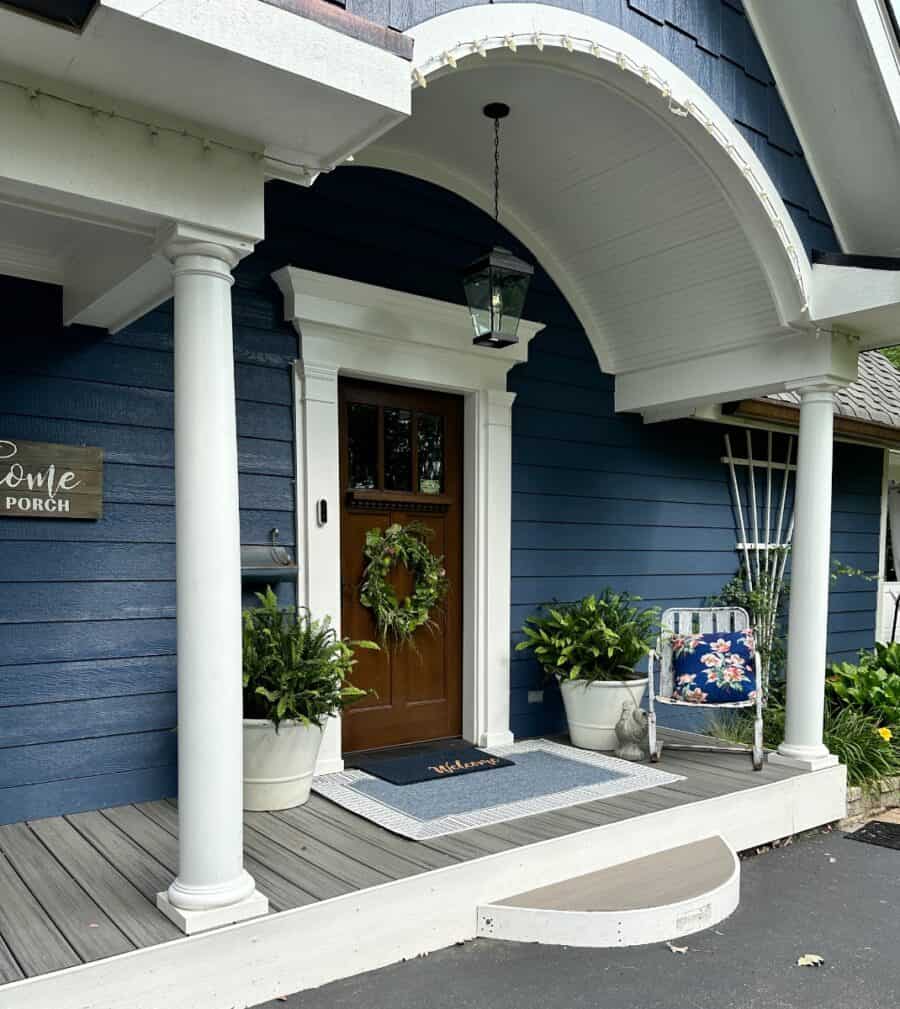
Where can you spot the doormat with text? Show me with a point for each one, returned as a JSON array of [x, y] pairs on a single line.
[[415, 764]]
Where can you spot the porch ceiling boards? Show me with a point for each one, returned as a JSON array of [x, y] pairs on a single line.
[[81, 888]]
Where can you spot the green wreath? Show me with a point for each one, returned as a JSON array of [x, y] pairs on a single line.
[[399, 619]]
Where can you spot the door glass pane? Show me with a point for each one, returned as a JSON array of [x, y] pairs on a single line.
[[431, 453], [362, 439], [397, 449]]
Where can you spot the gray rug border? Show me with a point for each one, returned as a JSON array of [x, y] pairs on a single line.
[[337, 788]]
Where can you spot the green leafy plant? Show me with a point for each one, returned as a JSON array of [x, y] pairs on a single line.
[[872, 686], [399, 619], [295, 667], [597, 638]]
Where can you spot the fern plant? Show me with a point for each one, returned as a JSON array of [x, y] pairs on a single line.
[[296, 668], [597, 638]]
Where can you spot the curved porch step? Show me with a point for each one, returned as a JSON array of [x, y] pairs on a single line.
[[652, 899]]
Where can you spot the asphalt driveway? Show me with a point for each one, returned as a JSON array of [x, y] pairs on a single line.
[[823, 894]]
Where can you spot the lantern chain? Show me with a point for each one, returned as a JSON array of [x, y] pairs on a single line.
[[497, 170]]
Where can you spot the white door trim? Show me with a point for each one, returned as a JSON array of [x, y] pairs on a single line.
[[362, 331]]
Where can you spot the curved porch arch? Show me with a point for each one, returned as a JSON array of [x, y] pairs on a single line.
[[726, 270]]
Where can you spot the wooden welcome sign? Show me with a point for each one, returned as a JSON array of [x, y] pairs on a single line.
[[39, 481]]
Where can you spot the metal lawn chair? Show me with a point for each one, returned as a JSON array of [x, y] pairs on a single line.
[[711, 620]]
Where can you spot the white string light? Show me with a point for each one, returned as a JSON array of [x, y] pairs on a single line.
[[682, 108], [154, 130]]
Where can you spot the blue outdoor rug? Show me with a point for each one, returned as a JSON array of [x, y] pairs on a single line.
[[544, 777]]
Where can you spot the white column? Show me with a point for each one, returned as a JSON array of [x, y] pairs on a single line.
[[212, 887], [318, 482], [494, 539], [810, 579]]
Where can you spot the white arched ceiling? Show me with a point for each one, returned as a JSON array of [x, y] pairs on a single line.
[[637, 193]]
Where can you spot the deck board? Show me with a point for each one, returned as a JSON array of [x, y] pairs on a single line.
[[293, 868], [135, 863], [135, 915], [27, 930], [86, 926], [383, 860], [9, 969], [107, 866], [319, 853]]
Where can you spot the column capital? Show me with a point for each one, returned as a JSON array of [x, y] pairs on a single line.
[[818, 388], [179, 239]]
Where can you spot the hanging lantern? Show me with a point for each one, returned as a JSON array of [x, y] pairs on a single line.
[[497, 282]]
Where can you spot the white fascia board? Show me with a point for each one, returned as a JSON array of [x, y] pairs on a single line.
[[283, 40], [243, 72], [861, 301], [754, 370], [66, 161], [835, 67]]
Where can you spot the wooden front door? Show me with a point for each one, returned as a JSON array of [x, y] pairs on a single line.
[[401, 461]]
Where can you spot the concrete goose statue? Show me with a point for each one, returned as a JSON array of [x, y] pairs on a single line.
[[631, 731]]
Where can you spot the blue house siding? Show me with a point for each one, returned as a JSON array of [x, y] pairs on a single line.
[[711, 41], [87, 628], [87, 637], [598, 498], [602, 499]]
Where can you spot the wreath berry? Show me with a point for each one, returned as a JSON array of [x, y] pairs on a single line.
[[399, 619]]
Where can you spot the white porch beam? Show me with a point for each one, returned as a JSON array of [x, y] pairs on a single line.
[[212, 887], [810, 579], [860, 300], [770, 365]]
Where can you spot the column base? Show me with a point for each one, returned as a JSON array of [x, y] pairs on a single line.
[[189, 922], [803, 763], [330, 765], [504, 738]]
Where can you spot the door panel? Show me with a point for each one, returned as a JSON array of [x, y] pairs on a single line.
[[401, 462]]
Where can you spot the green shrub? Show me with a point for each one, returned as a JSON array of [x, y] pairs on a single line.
[[872, 686], [597, 638], [853, 736], [295, 667]]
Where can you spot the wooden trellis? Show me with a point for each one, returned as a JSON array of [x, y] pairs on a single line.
[[763, 543]]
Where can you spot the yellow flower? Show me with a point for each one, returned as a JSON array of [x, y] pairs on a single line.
[[886, 734]]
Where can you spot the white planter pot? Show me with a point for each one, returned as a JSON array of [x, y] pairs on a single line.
[[278, 766], [593, 709]]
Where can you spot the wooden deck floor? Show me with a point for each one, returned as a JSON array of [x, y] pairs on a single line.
[[82, 887]]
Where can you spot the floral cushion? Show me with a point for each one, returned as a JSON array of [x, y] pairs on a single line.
[[714, 668]]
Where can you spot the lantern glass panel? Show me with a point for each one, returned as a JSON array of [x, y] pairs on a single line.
[[508, 300], [478, 296]]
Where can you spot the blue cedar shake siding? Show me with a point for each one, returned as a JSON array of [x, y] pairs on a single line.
[[713, 43], [87, 609]]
